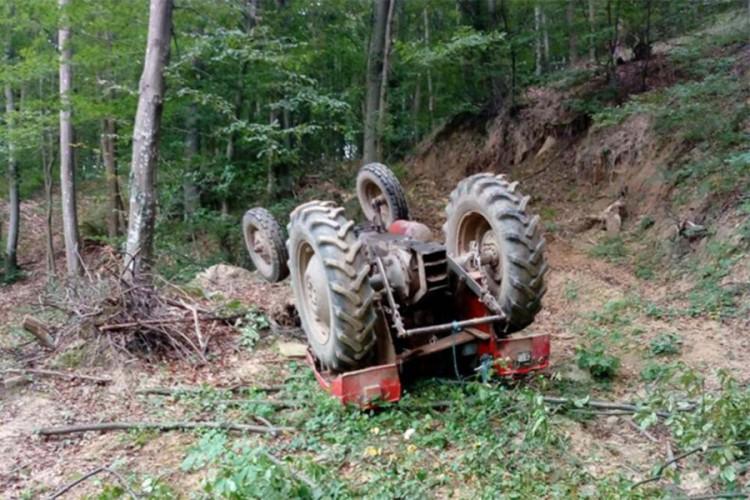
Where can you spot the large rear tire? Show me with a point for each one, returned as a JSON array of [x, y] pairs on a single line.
[[489, 211], [331, 288], [264, 240], [375, 181]]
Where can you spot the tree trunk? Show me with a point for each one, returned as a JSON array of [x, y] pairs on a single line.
[[109, 158], [190, 194], [572, 33], [545, 38], [67, 166], [140, 239], [430, 95], [374, 74], [14, 203], [538, 39], [48, 157], [382, 100], [592, 31]]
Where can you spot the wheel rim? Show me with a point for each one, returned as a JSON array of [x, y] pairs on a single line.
[[315, 299], [370, 193], [259, 247], [474, 227]]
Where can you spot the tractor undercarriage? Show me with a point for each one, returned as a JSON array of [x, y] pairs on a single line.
[[383, 302]]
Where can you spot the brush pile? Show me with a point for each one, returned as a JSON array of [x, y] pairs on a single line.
[[143, 319]]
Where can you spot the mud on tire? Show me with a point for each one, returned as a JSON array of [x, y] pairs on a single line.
[[264, 240], [489, 208], [330, 282], [375, 179]]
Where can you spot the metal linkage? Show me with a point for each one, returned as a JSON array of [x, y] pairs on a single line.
[[453, 325], [398, 323], [481, 290]]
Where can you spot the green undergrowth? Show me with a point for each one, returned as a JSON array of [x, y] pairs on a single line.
[[441, 439], [454, 439]]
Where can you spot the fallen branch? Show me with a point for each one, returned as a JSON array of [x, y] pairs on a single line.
[[604, 405], [89, 475], [55, 373], [699, 449], [133, 324], [174, 391], [160, 426]]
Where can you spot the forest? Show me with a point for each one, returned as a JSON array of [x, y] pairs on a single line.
[[136, 134]]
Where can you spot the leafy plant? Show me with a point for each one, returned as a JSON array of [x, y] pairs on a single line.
[[250, 327], [665, 344], [598, 362], [611, 249]]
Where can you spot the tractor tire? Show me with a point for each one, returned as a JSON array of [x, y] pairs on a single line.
[[264, 240], [376, 180], [489, 210], [331, 288]]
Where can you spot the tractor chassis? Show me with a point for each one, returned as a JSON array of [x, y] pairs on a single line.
[[508, 356]]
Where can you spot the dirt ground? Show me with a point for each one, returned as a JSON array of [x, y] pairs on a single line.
[[31, 463]]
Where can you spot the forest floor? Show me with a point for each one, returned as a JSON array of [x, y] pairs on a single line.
[[590, 300], [651, 316]]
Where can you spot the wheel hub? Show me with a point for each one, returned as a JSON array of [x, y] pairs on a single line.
[[316, 298]]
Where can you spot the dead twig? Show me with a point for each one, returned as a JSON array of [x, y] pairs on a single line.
[[160, 426], [699, 449], [642, 432], [604, 405], [172, 391], [89, 475], [55, 373], [143, 322]]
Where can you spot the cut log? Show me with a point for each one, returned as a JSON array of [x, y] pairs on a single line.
[[39, 330]]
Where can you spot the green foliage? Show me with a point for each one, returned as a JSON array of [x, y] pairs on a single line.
[[598, 361], [657, 371], [611, 249], [710, 296], [665, 344], [250, 327], [717, 428], [571, 291], [240, 470]]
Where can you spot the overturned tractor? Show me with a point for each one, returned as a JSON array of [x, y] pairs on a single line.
[[382, 301]]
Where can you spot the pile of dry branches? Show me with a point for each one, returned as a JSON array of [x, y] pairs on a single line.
[[151, 318]]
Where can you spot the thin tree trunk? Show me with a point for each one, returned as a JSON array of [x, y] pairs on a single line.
[[374, 75], [109, 158], [382, 100], [271, 180], [47, 150], [14, 203], [48, 157], [647, 42], [513, 55], [592, 31], [140, 239], [416, 107], [545, 37], [572, 33], [430, 94], [67, 166], [190, 194], [538, 39]]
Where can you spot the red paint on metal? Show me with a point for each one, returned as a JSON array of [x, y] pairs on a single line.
[[364, 388], [399, 226]]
